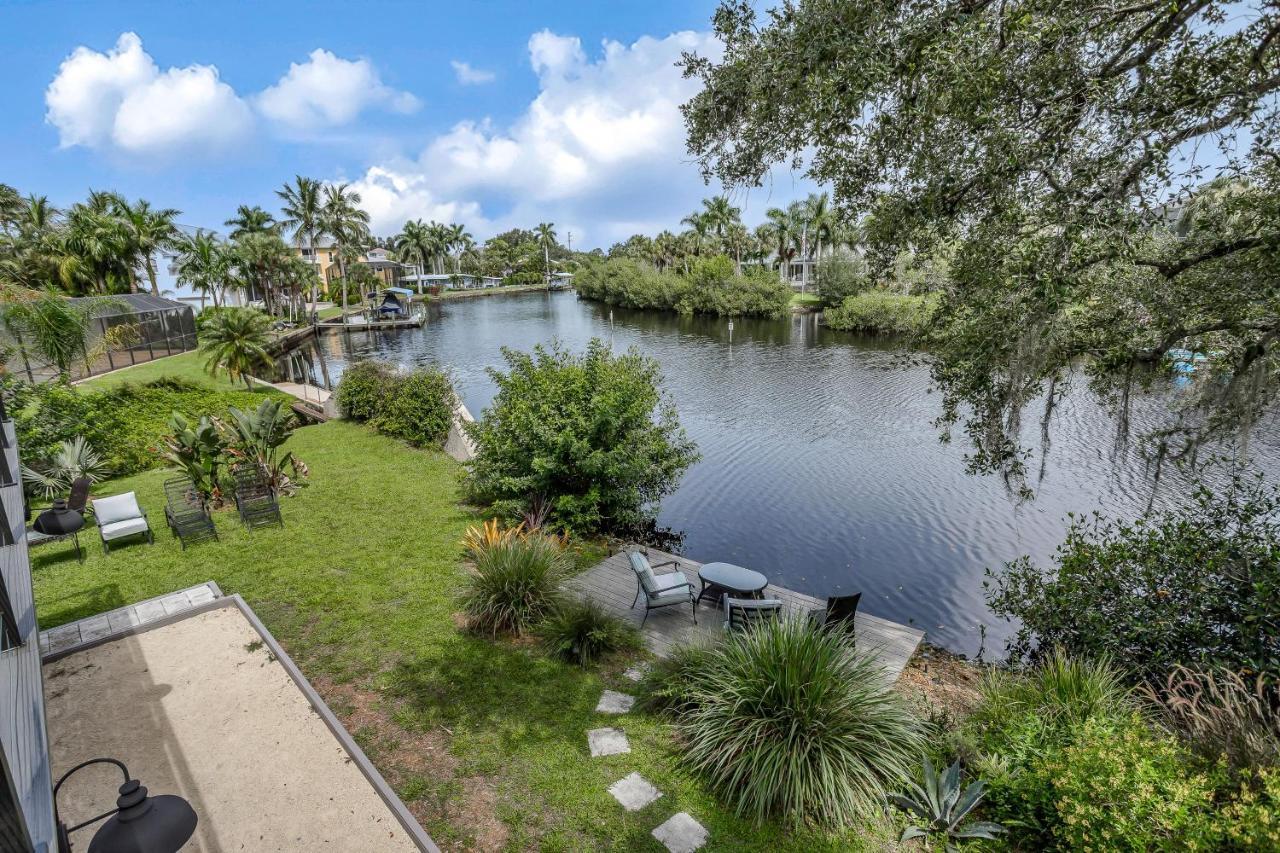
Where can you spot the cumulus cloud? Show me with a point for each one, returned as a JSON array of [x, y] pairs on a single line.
[[603, 139], [469, 76], [121, 99], [327, 91]]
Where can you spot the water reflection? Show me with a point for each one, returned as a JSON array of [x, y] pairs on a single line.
[[820, 464]]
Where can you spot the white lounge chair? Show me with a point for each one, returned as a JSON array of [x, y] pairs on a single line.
[[120, 516], [660, 590]]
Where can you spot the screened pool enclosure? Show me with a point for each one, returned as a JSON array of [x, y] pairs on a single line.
[[148, 327]]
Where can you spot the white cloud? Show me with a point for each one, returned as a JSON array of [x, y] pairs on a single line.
[[121, 99], [469, 76], [327, 91], [603, 140], [392, 197]]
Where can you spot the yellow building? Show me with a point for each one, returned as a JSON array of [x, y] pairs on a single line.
[[325, 260]]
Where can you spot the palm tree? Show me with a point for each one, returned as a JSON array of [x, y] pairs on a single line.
[[700, 227], [303, 211], [260, 259], [204, 262], [458, 240], [150, 231], [250, 220], [101, 243], [718, 215], [546, 233], [342, 218], [665, 248], [53, 326], [783, 233], [822, 221], [236, 341], [413, 245]]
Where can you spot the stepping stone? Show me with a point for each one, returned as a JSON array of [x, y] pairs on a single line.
[[613, 702], [607, 742], [636, 673], [634, 792], [681, 833]]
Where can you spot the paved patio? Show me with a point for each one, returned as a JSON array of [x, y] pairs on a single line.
[[97, 627], [613, 585]]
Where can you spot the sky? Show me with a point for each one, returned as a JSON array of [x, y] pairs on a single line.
[[492, 114]]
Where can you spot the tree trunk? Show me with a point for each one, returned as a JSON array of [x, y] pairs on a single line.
[[342, 271], [151, 276]]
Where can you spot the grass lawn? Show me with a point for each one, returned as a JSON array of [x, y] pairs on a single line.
[[484, 740], [806, 299], [187, 365]]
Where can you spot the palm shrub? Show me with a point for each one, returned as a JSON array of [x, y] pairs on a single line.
[[198, 450], [236, 342], [255, 438], [788, 720], [516, 583], [581, 631], [73, 459]]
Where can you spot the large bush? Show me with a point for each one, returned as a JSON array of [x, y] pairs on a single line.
[[711, 287], [882, 312], [592, 435], [788, 720], [839, 276], [1198, 585], [419, 408], [123, 424], [416, 406]]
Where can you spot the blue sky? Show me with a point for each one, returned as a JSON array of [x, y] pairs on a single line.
[[493, 114]]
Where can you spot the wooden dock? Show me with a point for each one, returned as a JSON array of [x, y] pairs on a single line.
[[357, 323], [613, 585]]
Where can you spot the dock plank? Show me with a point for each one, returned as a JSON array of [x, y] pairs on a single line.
[[612, 584]]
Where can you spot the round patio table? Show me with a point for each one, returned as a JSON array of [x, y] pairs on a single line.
[[719, 578]]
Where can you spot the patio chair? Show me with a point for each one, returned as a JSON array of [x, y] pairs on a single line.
[[255, 499], [661, 591], [118, 517], [78, 499], [839, 612], [742, 613], [186, 513]]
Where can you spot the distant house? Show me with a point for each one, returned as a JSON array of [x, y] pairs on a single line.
[[324, 257], [448, 281]]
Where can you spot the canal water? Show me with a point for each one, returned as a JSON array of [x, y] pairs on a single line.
[[820, 465]]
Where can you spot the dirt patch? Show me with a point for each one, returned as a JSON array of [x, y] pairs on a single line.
[[941, 683], [420, 767]]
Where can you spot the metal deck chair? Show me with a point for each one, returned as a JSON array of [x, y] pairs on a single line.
[[186, 513], [255, 499]]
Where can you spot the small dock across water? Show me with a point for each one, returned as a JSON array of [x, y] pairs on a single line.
[[612, 584]]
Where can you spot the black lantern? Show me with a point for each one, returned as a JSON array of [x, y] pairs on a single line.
[[138, 823], [58, 520]]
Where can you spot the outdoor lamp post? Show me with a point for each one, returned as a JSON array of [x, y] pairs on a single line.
[[138, 823]]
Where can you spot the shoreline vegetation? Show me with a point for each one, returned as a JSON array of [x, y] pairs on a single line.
[[712, 286]]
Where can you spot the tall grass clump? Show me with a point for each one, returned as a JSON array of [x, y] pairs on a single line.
[[787, 720], [581, 631], [515, 585]]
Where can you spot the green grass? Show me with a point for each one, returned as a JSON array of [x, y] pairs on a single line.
[[360, 587], [187, 365], [806, 299]]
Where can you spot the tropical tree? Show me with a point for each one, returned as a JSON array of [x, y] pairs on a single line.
[[546, 233], [342, 218], [302, 212], [236, 341], [413, 244], [261, 260], [251, 220], [149, 230], [785, 228], [718, 216], [821, 221], [101, 243], [57, 329], [204, 262]]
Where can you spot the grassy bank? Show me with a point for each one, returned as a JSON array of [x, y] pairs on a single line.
[[484, 740]]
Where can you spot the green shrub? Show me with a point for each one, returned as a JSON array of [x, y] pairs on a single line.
[[882, 312], [124, 424], [592, 434], [711, 287], [1249, 820], [418, 408], [580, 631], [839, 276], [1198, 585], [515, 585], [788, 720], [362, 390]]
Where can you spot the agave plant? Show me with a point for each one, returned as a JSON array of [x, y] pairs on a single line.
[[197, 450], [73, 459], [255, 438], [944, 806]]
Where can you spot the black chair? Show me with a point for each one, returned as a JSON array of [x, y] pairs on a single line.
[[742, 613], [186, 513], [78, 499], [839, 612], [255, 499]]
